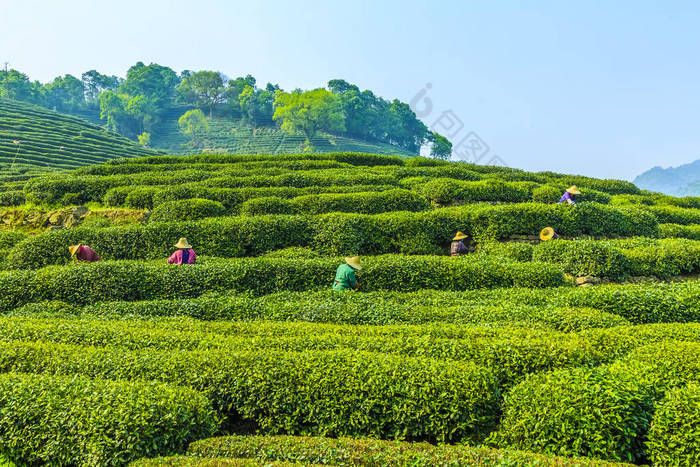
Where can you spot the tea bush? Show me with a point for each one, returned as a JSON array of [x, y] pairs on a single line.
[[351, 451], [90, 283], [674, 436], [327, 393], [187, 209], [603, 412], [74, 420]]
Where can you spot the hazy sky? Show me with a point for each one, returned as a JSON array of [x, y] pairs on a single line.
[[601, 88]]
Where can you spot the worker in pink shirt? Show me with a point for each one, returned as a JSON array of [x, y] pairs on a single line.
[[184, 253], [83, 253]]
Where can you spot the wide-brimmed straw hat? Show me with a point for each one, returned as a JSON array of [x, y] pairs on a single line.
[[183, 243], [459, 236], [573, 189], [74, 249], [547, 234], [354, 262]]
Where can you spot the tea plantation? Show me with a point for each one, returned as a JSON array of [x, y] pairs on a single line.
[[581, 350], [31, 136]]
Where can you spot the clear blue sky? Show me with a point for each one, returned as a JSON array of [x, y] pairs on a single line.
[[600, 88]]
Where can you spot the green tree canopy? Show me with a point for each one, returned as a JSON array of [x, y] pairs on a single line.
[[156, 82], [65, 93], [193, 123], [309, 112], [441, 147], [16, 85], [257, 104], [96, 83], [203, 89]]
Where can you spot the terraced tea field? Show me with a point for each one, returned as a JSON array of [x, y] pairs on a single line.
[[582, 350], [33, 136], [233, 136]]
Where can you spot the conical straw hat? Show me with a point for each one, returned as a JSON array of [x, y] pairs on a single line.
[[459, 236], [573, 189], [354, 262], [183, 243], [547, 234], [73, 249]]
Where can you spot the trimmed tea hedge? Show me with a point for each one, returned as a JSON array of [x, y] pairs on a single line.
[[89, 283], [674, 436], [328, 393], [603, 412], [511, 353], [363, 203], [79, 421], [333, 234], [349, 451], [186, 210]]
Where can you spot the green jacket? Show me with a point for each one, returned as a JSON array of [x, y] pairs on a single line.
[[344, 278]]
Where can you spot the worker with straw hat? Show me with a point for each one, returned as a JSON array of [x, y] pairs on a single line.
[[548, 233], [458, 247], [345, 275], [184, 253], [570, 195], [83, 253]]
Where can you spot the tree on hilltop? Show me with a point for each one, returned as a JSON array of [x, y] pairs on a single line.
[[441, 147], [203, 89], [309, 112]]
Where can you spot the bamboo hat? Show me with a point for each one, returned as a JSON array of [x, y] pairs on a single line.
[[459, 236], [354, 262], [547, 234], [73, 249], [183, 243], [573, 189]]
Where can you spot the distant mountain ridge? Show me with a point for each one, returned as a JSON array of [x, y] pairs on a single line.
[[683, 180]]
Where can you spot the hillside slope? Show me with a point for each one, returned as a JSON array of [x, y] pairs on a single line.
[[227, 135], [682, 180], [554, 346], [33, 136]]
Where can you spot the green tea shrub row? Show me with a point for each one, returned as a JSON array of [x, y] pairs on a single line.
[[674, 438], [660, 258], [511, 353], [137, 167], [51, 189], [364, 203], [74, 420], [327, 393], [552, 194], [680, 231], [446, 190], [90, 283], [352, 451], [334, 234], [9, 238], [151, 196], [353, 158], [12, 198], [642, 303], [329, 307], [561, 308], [603, 412], [187, 209], [675, 215]]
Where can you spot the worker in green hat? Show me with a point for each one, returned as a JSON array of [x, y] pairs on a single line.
[[345, 275]]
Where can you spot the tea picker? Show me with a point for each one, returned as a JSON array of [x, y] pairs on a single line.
[[570, 195], [184, 253], [345, 274], [458, 247], [83, 253]]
